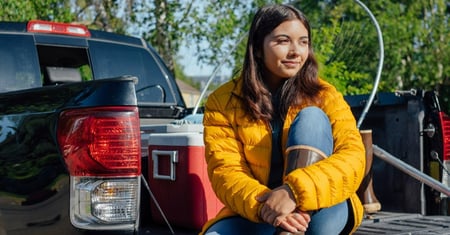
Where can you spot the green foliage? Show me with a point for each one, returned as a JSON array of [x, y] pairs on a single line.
[[55, 10], [344, 45], [103, 15], [86, 72], [415, 33]]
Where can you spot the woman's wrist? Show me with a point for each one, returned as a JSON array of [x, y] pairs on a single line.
[[290, 192]]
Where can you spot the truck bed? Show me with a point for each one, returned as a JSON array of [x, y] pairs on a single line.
[[404, 223], [383, 222]]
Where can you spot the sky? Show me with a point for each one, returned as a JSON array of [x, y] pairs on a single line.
[[190, 64], [193, 68]]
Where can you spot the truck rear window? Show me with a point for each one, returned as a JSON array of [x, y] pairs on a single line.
[[60, 65], [112, 60], [28, 61], [18, 64]]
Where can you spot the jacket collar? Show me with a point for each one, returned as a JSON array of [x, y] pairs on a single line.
[[238, 84]]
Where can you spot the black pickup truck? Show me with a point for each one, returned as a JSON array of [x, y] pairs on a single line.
[[90, 119], [72, 101]]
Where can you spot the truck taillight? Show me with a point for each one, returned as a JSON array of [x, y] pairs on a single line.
[[104, 203], [445, 122], [102, 152], [101, 141], [40, 26]]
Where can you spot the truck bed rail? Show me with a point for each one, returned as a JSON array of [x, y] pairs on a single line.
[[411, 171]]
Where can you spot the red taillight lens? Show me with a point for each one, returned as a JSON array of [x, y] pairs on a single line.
[[101, 141], [40, 26], [445, 122]]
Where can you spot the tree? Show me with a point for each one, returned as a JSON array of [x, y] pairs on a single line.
[[107, 15], [27, 9], [96, 14], [223, 25], [228, 21], [162, 23], [415, 37], [417, 42], [415, 33], [345, 44]]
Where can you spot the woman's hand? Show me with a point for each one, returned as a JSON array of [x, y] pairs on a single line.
[[278, 202], [279, 210], [294, 222]]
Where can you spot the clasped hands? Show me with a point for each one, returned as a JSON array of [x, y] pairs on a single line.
[[279, 209]]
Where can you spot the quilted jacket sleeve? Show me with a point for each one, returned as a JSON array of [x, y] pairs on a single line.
[[229, 173], [336, 178]]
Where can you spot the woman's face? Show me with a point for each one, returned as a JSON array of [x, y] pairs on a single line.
[[285, 51]]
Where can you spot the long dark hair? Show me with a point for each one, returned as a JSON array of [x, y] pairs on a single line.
[[303, 87]]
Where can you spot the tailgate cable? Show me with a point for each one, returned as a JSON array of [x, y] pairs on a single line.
[[157, 204]]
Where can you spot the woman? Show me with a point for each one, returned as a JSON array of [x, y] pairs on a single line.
[[282, 146]]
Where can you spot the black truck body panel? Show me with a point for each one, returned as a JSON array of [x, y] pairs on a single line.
[[398, 123], [43, 74], [34, 182]]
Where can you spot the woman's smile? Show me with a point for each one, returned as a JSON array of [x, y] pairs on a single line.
[[290, 63]]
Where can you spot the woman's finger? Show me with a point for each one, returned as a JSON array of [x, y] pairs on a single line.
[[305, 215], [295, 222], [298, 221], [277, 221]]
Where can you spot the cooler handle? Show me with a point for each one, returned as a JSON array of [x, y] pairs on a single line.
[[173, 159]]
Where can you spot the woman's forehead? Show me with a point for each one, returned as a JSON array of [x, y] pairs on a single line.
[[290, 27]]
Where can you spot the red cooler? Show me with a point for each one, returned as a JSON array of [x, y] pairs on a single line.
[[178, 177]]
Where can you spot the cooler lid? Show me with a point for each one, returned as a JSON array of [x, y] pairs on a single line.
[[176, 139], [172, 128]]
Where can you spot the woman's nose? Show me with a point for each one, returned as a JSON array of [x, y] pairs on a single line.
[[297, 49], [294, 50]]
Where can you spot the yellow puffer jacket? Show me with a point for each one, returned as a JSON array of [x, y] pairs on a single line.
[[238, 154]]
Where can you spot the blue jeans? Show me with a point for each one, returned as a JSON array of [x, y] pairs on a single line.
[[311, 127], [327, 221]]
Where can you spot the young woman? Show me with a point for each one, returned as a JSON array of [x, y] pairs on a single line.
[[282, 147]]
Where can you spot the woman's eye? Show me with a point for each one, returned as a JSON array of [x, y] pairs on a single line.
[[283, 41]]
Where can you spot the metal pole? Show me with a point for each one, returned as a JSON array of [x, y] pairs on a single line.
[[411, 171], [213, 75], [380, 63]]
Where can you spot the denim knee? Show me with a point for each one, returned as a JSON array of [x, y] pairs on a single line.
[[331, 220], [237, 225], [311, 127]]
